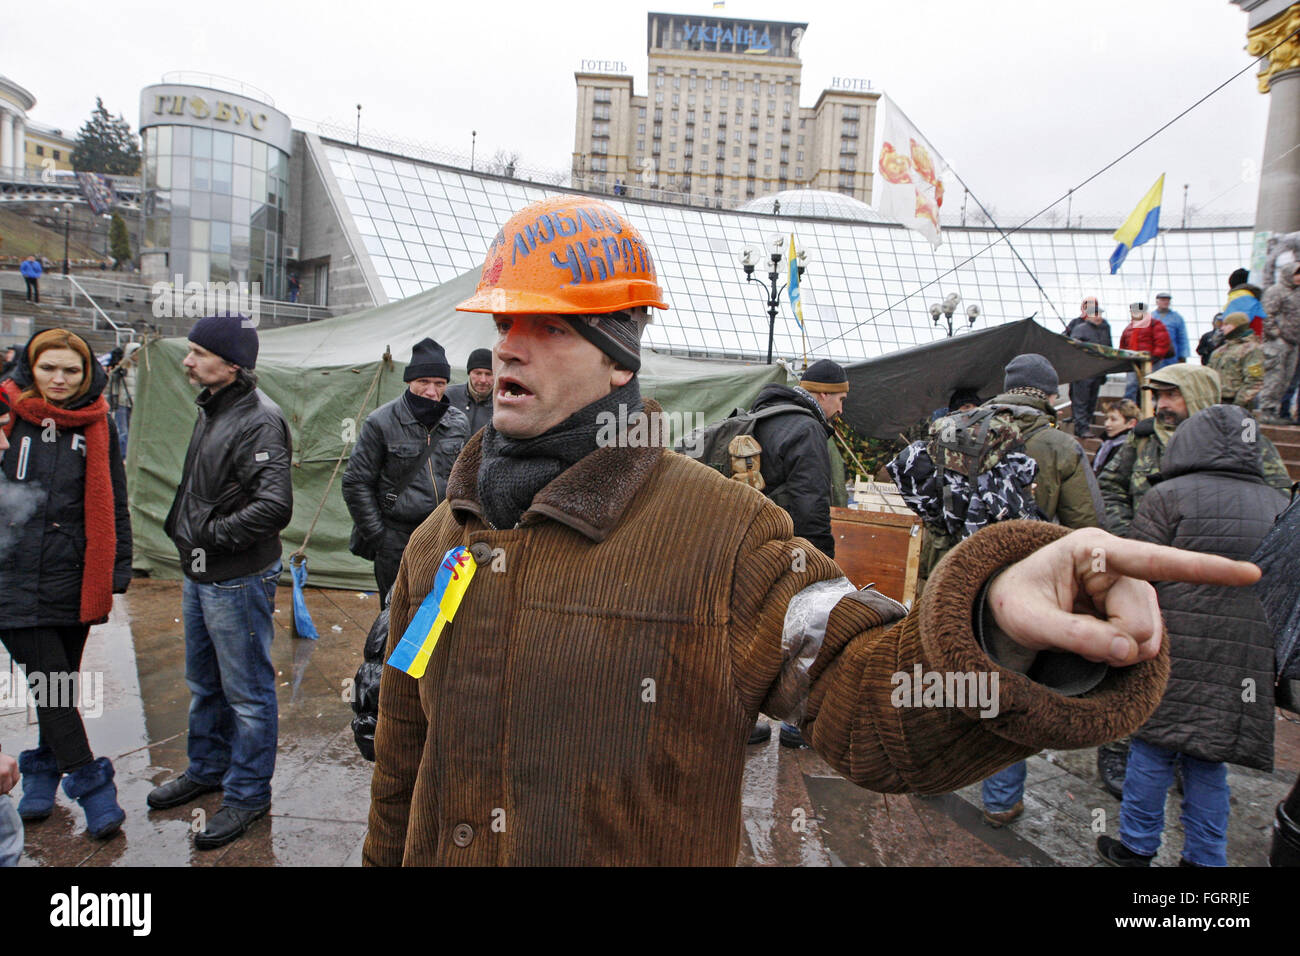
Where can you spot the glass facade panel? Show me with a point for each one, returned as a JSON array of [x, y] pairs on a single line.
[[211, 193], [868, 286]]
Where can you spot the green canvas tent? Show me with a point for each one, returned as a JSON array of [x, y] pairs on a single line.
[[320, 374]]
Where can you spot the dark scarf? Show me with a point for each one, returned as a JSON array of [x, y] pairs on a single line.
[[100, 518], [427, 411], [514, 470]]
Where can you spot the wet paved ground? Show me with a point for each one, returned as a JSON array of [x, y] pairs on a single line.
[[796, 809]]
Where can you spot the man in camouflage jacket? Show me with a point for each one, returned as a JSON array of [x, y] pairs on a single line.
[[1281, 342], [1182, 391], [1239, 361]]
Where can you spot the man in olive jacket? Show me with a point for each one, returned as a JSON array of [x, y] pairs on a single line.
[[1181, 391], [625, 612], [397, 473], [1065, 490]]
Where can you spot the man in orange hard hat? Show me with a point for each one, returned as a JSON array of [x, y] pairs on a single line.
[[584, 632]]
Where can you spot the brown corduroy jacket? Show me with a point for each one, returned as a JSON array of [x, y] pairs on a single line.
[[591, 701]]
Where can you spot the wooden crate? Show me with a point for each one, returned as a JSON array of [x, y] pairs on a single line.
[[875, 547]]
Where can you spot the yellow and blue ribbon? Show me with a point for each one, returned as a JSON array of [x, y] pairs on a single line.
[[436, 611]]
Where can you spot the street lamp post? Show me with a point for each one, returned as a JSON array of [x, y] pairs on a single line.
[[772, 289], [948, 307], [67, 231]]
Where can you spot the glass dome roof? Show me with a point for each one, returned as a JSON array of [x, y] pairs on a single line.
[[812, 204]]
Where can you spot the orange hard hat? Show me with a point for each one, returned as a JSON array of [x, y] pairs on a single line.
[[567, 255]]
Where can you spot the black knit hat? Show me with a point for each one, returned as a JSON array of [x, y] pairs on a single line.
[[1238, 277], [617, 334], [231, 337], [825, 376], [428, 360], [479, 358], [963, 396], [1031, 370]]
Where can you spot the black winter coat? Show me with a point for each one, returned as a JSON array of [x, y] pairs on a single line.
[[1211, 497], [796, 463], [1082, 330], [235, 493], [391, 442], [478, 413], [42, 555]]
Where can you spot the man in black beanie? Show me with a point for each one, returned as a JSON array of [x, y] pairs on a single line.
[[397, 473], [474, 398], [235, 496], [802, 470]]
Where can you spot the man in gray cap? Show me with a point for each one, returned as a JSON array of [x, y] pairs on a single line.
[[474, 397], [1065, 491], [397, 473]]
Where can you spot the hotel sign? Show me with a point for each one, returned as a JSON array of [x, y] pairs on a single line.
[[177, 105], [602, 66], [735, 34]]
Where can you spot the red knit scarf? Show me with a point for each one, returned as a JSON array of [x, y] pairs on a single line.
[[101, 528]]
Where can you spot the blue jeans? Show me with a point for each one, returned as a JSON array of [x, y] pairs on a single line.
[[1004, 789], [122, 419], [11, 832], [1205, 804], [234, 713]]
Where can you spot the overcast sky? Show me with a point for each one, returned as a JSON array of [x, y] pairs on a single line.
[[1024, 98]]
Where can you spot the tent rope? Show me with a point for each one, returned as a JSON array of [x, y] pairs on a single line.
[[301, 553]]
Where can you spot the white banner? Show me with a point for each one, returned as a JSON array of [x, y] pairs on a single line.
[[909, 187]]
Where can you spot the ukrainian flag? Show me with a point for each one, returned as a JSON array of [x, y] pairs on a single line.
[[1142, 224], [793, 284]]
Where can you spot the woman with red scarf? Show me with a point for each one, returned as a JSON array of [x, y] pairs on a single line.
[[65, 550]]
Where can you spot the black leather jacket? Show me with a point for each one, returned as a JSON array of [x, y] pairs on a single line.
[[479, 413], [235, 494], [390, 444]]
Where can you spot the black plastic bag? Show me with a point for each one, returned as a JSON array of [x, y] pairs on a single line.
[[365, 687]]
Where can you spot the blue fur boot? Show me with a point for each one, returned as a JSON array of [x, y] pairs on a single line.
[[40, 782], [92, 786]]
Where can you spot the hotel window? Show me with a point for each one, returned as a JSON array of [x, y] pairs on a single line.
[[659, 101], [848, 163], [798, 172], [602, 95], [677, 99], [849, 112], [677, 82], [600, 111], [674, 115]]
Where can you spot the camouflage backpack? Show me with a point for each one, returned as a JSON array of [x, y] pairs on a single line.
[[972, 443], [729, 446]]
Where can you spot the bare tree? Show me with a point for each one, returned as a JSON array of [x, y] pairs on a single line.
[[503, 162]]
